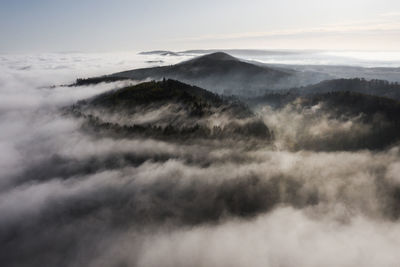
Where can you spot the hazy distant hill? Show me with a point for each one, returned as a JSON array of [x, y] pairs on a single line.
[[217, 72], [170, 109], [159, 52]]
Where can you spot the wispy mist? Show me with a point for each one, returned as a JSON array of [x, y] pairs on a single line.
[[68, 198]]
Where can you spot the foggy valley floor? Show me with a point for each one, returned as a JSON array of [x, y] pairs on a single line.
[[165, 173]]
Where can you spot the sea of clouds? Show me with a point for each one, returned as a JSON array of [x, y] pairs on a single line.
[[71, 199]]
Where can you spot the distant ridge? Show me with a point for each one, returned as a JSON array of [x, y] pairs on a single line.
[[159, 52], [235, 52]]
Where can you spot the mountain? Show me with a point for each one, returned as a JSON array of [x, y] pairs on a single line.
[[217, 72], [169, 109]]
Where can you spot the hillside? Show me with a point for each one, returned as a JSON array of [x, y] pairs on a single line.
[[339, 120], [169, 109]]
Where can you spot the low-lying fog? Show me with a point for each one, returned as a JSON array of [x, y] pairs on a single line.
[[71, 199]]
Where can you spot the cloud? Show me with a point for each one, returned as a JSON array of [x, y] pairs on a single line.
[[348, 35], [352, 27], [390, 14], [285, 237]]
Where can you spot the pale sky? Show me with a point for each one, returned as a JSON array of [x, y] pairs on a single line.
[[117, 25]]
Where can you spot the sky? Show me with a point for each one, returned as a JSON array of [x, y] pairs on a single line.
[[120, 25]]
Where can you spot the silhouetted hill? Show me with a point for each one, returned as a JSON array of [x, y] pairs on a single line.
[[217, 72], [170, 109]]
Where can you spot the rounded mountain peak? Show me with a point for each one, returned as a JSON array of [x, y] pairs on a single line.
[[218, 56]]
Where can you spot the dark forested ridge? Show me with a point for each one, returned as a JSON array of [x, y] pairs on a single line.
[[166, 90], [188, 111]]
